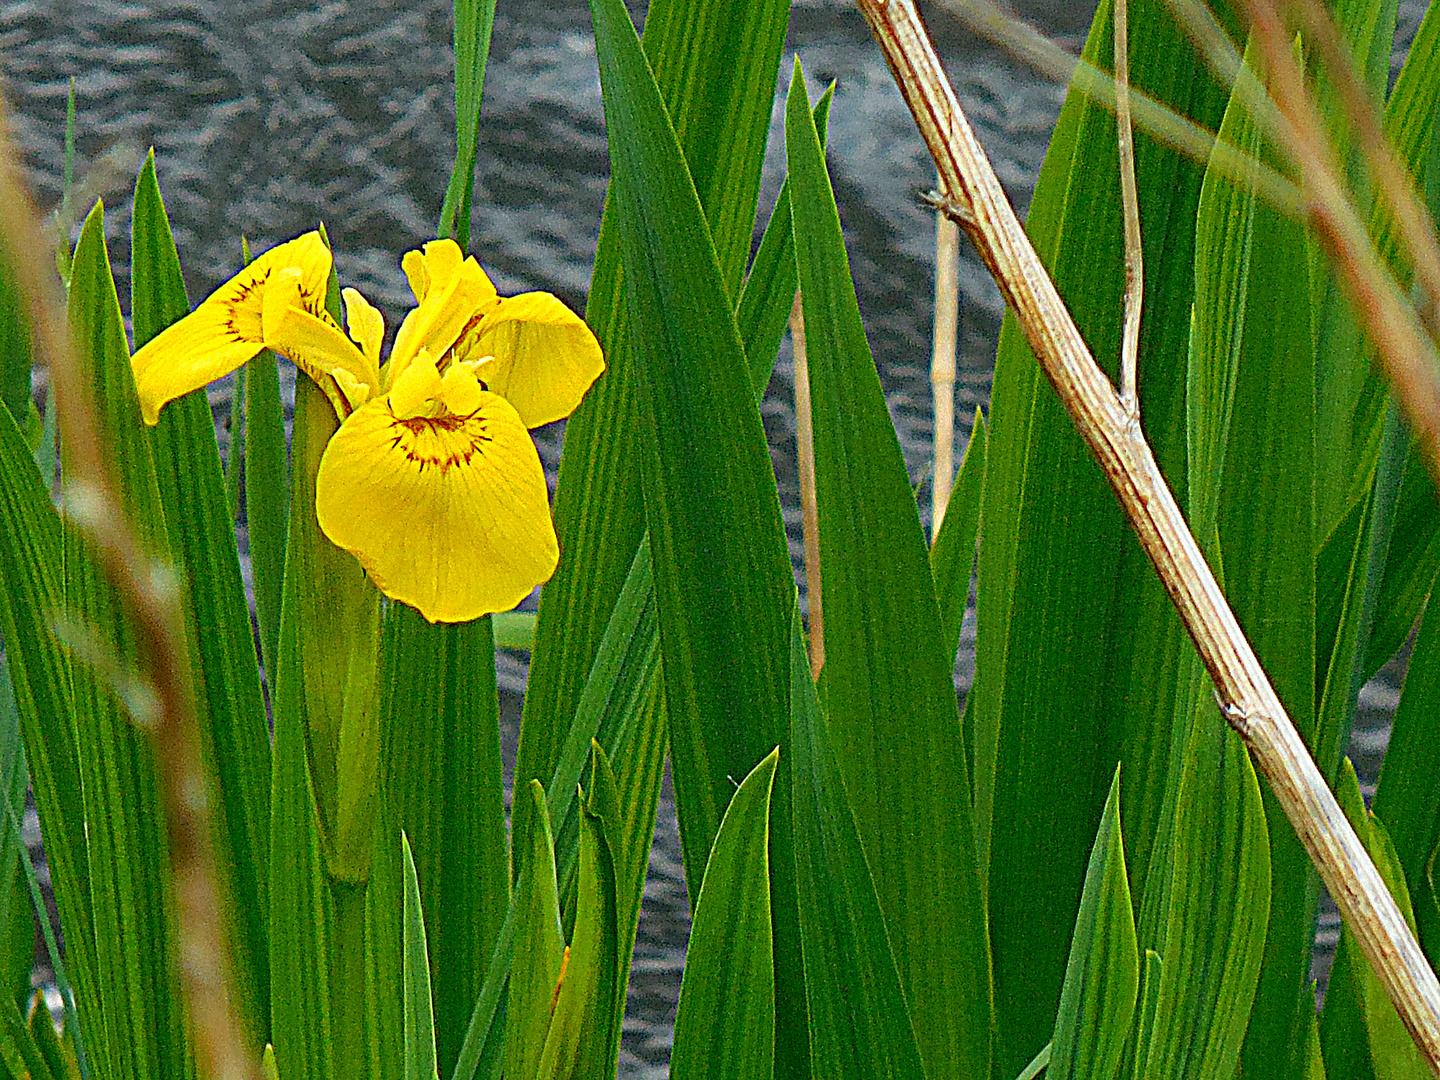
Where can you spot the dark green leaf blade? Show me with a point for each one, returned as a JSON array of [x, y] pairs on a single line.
[[716, 64], [952, 556], [1408, 798], [474, 20], [859, 1023], [887, 683], [1079, 650], [441, 738], [722, 567], [725, 1022], [127, 843], [419, 1019], [539, 948], [267, 499], [1218, 901], [31, 580], [1102, 978], [234, 730]]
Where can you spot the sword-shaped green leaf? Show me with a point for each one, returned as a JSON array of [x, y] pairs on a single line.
[[722, 568], [725, 1022], [234, 729], [139, 988], [860, 1025], [1102, 978], [887, 684]]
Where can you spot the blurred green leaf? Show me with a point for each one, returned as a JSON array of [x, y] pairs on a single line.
[[952, 555], [234, 730], [514, 630], [443, 776], [474, 20], [146, 1032], [725, 1022], [539, 949], [1102, 978], [419, 1020], [859, 1023], [722, 567], [887, 684]]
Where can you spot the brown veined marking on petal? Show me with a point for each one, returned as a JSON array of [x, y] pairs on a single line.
[[420, 425], [234, 309]]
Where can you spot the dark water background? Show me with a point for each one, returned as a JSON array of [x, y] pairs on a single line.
[[267, 117]]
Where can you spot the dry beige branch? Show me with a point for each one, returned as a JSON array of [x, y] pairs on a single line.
[[151, 601], [1413, 224], [1154, 118], [1248, 701]]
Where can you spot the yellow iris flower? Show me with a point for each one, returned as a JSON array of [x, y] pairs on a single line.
[[432, 480]]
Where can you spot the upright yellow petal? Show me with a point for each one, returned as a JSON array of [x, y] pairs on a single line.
[[364, 324], [431, 268], [447, 310], [544, 357], [450, 516], [226, 329]]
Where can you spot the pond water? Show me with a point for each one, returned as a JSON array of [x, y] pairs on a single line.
[[267, 117]]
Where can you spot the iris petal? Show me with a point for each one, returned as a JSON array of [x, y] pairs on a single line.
[[226, 329], [450, 516], [320, 349], [449, 307], [543, 356]]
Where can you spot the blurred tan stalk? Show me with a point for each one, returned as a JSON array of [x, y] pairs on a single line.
[[147, 590]]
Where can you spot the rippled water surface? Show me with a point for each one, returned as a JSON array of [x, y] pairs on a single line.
[[268, 117]]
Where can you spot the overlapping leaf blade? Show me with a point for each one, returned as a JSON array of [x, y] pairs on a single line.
[[441, 737], [1079, 650], [859, 1022], [725, 1021], [138, 983], [1102, 977], [715, 64], [887, 683], [235, 736], [722, 568]]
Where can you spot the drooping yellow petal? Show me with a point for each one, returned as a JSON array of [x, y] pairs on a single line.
[[226, 329], [544, 357], [447, 310], [450, 516], [318, 347]]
